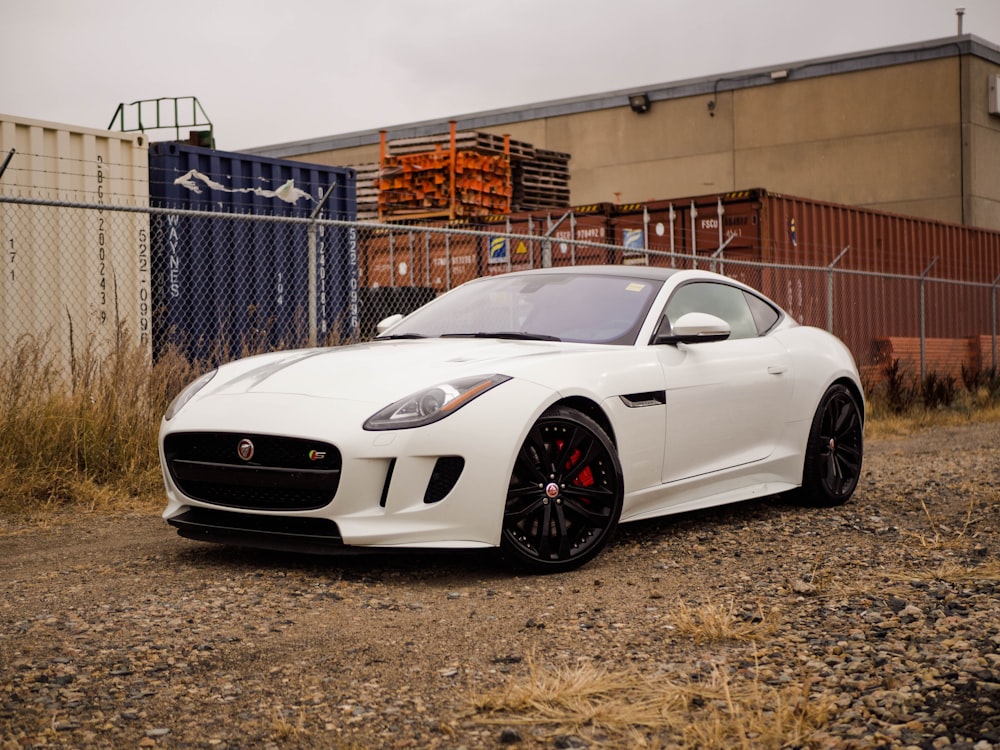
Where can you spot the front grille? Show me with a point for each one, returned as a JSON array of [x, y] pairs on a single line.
[[279, 473]]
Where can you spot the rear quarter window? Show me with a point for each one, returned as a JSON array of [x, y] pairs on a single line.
[[765, 316]]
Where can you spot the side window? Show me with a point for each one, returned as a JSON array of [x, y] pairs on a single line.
[[723, 301]]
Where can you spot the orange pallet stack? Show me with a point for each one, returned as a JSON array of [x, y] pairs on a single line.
[[443, 183]]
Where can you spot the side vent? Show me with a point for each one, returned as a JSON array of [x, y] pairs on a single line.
[[640, 400], [446, 472], [388, 480]]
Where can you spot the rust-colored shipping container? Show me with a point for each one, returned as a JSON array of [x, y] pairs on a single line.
[[707, 230], [537, 239], [766, 239], [895, 278], [418, 256], [516, 240]]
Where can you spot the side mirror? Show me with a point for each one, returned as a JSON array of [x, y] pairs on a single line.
[[386, 323], [695, 328]]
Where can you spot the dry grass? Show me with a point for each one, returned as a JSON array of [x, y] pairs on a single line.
[[943, 535], [882, 424], [951, 531], [653, 711], [714, 622], [85, 437], [286, 730], [951, 572]]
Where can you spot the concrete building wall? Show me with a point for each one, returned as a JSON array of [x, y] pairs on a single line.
[[907, 131], [877, 138], [982, 163]]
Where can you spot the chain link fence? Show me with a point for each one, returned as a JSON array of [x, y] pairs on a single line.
[[215, 286]]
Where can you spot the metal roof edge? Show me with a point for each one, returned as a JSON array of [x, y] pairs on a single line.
[[967, 44]]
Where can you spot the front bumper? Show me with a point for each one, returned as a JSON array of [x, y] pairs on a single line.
[[381, 497]]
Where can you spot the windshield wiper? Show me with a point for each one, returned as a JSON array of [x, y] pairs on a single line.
[[392, 336], [517, 335]]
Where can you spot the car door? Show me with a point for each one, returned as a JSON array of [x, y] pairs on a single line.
[[725, 399]]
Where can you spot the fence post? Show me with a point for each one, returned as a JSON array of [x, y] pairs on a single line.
[[447, 260], [673, 248], [720, 212], [510, 244], [694, 236], [547, 242], [311, 243], [392, 259], [6, 161], [717, 255], [412, 246], [572, 238], [645, 230], [923, 320], [829, 289], [427, 261]]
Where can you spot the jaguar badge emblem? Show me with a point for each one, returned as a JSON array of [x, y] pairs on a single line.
[[244, 449]]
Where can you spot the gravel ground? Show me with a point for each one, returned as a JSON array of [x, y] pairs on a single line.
[[879, 619]]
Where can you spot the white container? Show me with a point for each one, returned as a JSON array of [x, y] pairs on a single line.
[[73, 273]]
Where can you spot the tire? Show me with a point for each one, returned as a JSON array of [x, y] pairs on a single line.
[[565, 494], [834, 451]]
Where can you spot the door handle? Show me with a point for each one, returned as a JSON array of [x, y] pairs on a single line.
[[776, 369]]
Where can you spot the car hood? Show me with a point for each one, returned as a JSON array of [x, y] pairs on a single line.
[[379, 371]]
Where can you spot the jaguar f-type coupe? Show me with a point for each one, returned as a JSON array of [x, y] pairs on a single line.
[[531, 412]]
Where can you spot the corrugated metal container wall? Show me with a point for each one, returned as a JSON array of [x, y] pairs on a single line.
[[866, 308], [238, 284], [69, 267], [649, 233], [805, 232], [583, 224], [725, 228], [652, 233], [507, 252], [417, 256], [510, 251]]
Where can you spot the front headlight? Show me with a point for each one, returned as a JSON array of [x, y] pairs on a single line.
[[187, 394], [432, 404]]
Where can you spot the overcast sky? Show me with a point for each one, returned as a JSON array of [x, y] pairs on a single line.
[[272, 72]]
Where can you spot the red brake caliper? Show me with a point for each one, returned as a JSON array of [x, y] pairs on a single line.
[[585, 478]]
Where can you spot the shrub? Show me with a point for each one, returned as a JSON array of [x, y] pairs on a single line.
[[972, 377], [938, 391], [900, 390]]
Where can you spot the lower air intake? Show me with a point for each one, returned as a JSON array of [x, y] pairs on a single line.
[[446, 472]]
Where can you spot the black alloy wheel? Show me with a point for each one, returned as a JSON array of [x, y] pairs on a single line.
[[835, 450], [565, 494]]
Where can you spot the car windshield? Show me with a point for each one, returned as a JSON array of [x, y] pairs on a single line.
[[588, 308]]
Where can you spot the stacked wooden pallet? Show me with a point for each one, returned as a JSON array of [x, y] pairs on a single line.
[[420, 183], [483, 143], [541, 182], [367, 182], [493, 175]]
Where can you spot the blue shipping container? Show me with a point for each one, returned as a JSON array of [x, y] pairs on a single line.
[[235, 282]]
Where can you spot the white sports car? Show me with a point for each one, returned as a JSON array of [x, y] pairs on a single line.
[[530, 412]]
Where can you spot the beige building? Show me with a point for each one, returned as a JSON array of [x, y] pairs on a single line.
[[913, 129]]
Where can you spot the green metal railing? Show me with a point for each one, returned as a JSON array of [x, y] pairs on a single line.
[[172, 113]]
